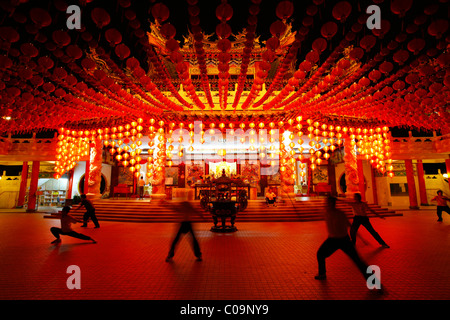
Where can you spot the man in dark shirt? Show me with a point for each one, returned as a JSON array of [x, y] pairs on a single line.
[[90, 211]]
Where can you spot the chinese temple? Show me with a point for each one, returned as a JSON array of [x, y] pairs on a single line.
[[306, 98]]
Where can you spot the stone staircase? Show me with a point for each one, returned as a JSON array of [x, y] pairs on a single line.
[[306, 209]]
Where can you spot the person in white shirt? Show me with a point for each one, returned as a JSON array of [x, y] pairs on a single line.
[[141, 184], [360, 209], [271, 198], [66, 229], [441, 204]]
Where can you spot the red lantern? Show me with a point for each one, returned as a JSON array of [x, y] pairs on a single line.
[[329, 30], [367, 42], [312, 56], [168, 31], [122, 51], [223, 30], [113, 36], [224, 45], [341, 11], [100, 17], [132, 63], [319, 45], [284, 10], [88, 63], [224, 12], [277, 28], [61, 38], [416, 45], [401, 56], [385, 27], [273, 43], [172, 45], [400, 7], [356, 54], [29, 50], [398, 85], [46, 63], [374, 75], [40, 17], [438, 28], [9, 34], [74, 51], [386, 67]]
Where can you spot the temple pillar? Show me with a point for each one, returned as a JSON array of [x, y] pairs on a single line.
[[332, 178], [32, 196], [287, 181], [422, 187], [361, 186], [23, 185], [158, 180], [86, 177], [70, 187], [447, 165], [351, 168], [94, 172], [374, 186], [411, 184]]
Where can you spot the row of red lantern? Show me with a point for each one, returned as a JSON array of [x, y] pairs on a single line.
[[224, 12], [173, 47], [248, 47], [194, 20], [125, 144], [277, 29]]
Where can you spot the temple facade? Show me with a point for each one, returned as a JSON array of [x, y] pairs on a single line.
[[30, 179]]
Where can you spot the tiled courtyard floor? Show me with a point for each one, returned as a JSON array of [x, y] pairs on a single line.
[[261, 261]]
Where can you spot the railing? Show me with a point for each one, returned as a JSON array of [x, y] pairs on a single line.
[[24, 146], [421, 145]]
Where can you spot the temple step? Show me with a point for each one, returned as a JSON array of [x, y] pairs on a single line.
[[256, 211]]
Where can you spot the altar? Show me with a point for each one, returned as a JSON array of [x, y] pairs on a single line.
[[217, 169]]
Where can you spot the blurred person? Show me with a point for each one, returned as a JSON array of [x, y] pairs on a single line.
[[338, 238], [360, 209], [188, 211]]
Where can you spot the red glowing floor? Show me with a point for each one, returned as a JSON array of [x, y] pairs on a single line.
[[261, 261]]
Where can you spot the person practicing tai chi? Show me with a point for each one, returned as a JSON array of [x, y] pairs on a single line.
[[338, 238], [441, 204], [90, 212], [360, 209], [66, 229], [185, 227]]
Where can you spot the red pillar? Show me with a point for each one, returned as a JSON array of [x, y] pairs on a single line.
[[374, 186], [422, 187], [69, 189], [447, 164], [32, 196], [23, 185], [86, 177], [411, 184], [362, 189]]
